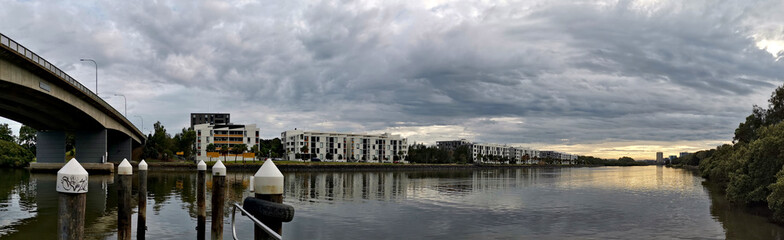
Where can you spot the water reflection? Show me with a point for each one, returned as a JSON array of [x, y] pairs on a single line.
[[30, 205], [612, 202]]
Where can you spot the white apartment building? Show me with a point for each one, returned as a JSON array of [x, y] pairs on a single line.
[[565, 158], [518, 154], [224, 135], [452, 145], [343, 147]]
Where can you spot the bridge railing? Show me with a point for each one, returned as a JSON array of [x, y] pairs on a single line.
[[9, 43]]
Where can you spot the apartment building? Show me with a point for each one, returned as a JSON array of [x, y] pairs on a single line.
[[344, 147], [452, 145], [485, 150], [224, 135], [210, 118], [565, 158]]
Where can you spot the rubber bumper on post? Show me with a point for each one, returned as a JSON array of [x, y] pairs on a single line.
[[266, 210]]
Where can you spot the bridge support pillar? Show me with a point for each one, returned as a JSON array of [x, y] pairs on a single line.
[[120, 147], [50, 147], [91, 145]]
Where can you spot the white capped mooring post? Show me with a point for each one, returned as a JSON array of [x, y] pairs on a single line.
[[125, 179], [268, 185], [72, 188], [201, 218], [251, 185], [218, 199], [141, 219]]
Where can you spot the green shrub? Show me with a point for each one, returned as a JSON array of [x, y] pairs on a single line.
[[758, 168], [13, 155]]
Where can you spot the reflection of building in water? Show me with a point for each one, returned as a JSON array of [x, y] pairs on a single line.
[[390, 186], [345, 186]]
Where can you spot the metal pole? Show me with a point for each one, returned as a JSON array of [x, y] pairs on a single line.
[[140, 117], [72, 202], [141, 223], [268, 185], [96, 72], [201, 219], [125, 172], [125, 103], [218, 199]]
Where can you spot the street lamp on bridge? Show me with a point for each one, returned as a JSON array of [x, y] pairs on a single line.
[[125, 103], [140, 117], [96, 72]]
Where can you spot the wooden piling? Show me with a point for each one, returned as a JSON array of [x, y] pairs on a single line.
[[141, 222], [72, 201], [218, 199], [268, 185], [201, 218], [125, 180]]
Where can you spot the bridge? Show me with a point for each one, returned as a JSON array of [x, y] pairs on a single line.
[[36, 93]]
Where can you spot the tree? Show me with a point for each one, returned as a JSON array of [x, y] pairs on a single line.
[[340, 157], [5, 133], [239, 149], [764, 159], [13, 155], [330, 156], [27, 138], [255, 150], [184, 142], [276, 147], [158, 142], [224, 150], [210, 148], [480, 157], [626, 159], [304, 150]]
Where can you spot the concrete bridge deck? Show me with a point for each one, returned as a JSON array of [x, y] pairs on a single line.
[[36, 93]]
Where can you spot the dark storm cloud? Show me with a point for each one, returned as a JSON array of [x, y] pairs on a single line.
[[521, 72]]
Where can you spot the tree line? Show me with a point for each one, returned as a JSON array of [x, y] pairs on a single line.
[[17, 151], [162, 146], [751, 169]]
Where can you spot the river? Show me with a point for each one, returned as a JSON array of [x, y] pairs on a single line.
[[648, 202]]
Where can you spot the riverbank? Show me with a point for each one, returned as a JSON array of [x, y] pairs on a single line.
[[341, 166]]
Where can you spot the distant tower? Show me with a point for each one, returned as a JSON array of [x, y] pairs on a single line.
[[659, 158]]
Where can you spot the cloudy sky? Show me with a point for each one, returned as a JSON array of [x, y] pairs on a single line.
[[601, 78]]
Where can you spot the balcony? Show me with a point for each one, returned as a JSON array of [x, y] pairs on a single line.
[[229, 135]]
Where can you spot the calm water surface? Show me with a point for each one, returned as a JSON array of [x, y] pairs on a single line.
[[561, 203]]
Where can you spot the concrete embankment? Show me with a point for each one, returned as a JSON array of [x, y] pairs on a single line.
[[304, 167], [300, 167], [99, 168]]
